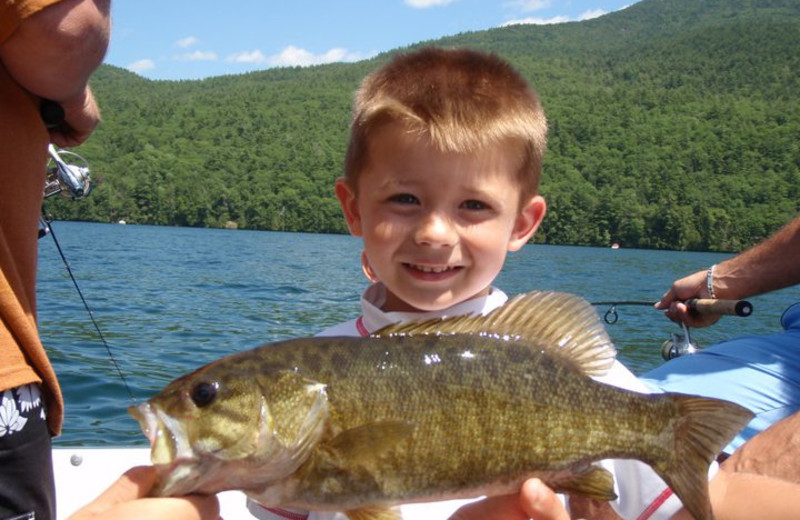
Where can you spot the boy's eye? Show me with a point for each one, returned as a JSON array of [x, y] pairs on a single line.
[[474, 205], [404, 198]]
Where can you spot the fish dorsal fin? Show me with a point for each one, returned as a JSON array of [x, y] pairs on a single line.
[[563, 324]]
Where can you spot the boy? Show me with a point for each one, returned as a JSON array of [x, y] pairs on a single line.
[[441, 179]]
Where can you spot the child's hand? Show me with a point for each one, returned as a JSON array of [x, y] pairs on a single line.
[[126, 499], [535, 500]]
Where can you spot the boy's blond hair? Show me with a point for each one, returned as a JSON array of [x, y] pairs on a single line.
[[461, 100]]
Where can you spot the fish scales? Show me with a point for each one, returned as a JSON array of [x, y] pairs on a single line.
[[509, 421], [427, 411]]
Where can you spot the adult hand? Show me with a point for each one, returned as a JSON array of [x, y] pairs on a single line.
[[81, 116], [126, 499], [535, 500], [688, 287]]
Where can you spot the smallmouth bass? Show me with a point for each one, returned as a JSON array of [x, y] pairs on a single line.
[[434, 410]]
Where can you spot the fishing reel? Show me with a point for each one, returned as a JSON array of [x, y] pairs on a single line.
[[70, 179], [682, 344], [679, 345]]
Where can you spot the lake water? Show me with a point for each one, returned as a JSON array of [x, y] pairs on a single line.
[[168, 300]]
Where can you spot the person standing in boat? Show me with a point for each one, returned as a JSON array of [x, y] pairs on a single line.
[[48, 50]]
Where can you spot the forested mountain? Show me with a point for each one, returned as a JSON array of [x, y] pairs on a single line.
[[673, 124]]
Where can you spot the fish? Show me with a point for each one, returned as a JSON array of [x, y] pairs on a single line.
[[424, 411]]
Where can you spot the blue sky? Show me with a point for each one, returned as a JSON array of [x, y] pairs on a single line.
[[192, 39]]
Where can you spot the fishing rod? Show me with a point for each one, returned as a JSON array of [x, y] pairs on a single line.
[[742, 308], [73, 180], [681, 344]]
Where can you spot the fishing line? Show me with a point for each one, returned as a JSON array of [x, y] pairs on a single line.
[[49, 223]]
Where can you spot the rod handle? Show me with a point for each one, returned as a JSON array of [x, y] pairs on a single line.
[[722, 307]]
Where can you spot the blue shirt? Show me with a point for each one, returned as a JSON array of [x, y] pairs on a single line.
[[761, 373]]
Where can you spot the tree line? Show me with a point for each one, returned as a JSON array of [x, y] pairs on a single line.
[[673, 125]]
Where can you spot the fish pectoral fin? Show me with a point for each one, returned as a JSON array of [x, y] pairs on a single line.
[[594, 482], [365, 443], [374, 513], [299, 410]]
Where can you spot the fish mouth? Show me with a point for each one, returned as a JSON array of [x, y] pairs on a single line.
[[170, 452], [168, 441], [144, 415]]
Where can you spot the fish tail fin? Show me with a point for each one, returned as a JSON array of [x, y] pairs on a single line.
[[704, 427]]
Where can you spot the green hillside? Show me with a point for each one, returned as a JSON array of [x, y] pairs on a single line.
[[674, 124]]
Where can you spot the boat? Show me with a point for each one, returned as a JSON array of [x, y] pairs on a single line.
[[82, 474]]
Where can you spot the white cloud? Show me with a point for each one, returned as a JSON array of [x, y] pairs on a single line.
[[141, 66], [594, 13], [185, 43], [535, 5], [527, 6], [537, 21], [424, 4], [197, 56], [255, 56], [293, 56], [586, 15]]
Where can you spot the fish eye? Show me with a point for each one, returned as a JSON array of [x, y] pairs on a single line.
[[204, 393]]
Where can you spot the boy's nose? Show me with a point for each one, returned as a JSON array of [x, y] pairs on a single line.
[[435, 230]]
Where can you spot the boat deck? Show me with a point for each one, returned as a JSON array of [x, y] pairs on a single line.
[[83, 473]]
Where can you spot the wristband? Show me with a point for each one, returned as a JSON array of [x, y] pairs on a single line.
[[710, 281]]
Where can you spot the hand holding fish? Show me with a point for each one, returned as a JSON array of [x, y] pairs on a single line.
[[126, 499], [535, 500]]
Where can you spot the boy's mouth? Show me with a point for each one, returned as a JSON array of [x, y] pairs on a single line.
[[434, 269]]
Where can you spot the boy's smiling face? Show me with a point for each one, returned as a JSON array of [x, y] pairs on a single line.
[[437, 225]]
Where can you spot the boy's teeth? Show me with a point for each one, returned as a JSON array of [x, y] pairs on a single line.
[[431, 269]]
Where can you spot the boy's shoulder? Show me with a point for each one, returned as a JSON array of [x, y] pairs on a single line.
[[347, 328]]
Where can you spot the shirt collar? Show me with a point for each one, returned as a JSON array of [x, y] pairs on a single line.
[[374, 318]]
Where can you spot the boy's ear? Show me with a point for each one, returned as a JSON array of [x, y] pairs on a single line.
[[528, 220], [347, 199]]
